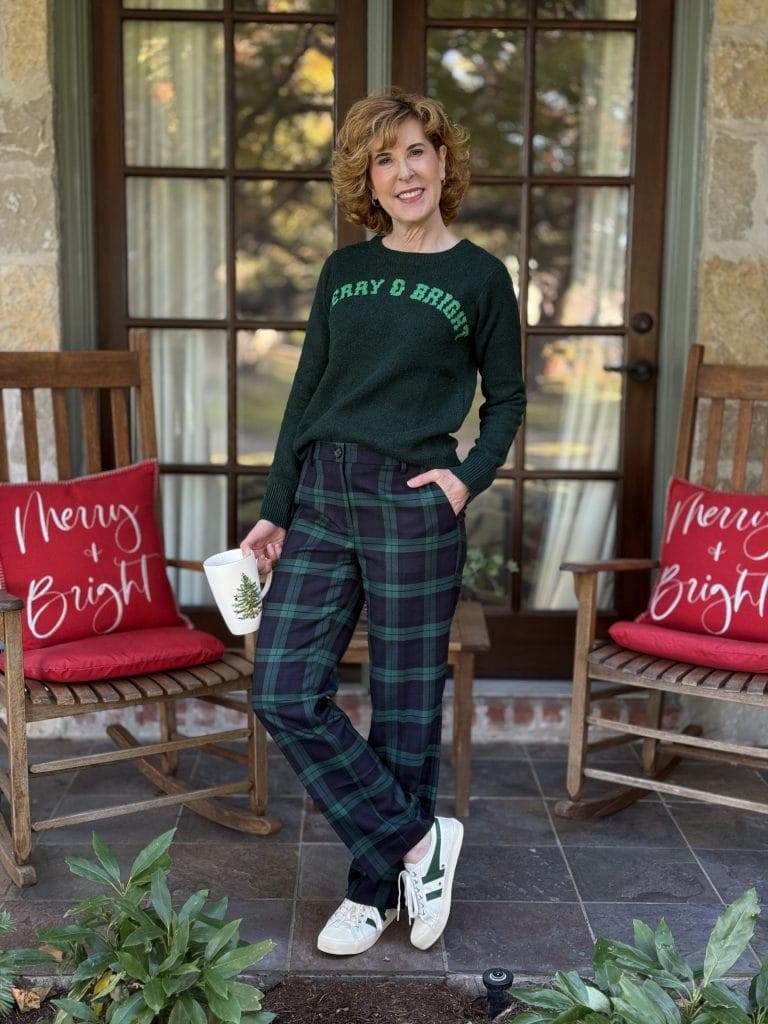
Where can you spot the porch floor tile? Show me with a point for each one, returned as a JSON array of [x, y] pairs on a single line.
[[531, 890]]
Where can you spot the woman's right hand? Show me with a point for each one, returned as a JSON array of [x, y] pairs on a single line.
[[265, 540]]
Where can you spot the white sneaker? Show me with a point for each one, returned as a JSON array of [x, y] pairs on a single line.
[[428, 883], [353, 928]]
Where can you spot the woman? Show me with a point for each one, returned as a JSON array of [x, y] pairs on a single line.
[[365, 503]]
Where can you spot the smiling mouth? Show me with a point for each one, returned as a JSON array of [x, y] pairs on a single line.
[[412, 193]]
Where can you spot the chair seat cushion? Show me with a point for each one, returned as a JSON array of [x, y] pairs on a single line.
[[130, 653], [696, 648]]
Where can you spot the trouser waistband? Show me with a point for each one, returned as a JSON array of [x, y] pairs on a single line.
[[352, 451]]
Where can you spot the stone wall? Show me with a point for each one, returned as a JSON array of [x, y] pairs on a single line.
[[29, 233], [29, 242], [733, 268], [732, 309]]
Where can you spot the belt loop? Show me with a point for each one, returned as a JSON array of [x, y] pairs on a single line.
[[403, 465]]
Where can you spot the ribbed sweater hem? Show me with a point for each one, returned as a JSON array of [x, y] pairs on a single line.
[[277, 503]]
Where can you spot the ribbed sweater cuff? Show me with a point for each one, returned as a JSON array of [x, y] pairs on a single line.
[[476, 472], [277, 503]]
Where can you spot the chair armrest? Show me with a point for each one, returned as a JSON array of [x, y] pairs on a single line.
[[184, 563], [611, 565], [9, 603]]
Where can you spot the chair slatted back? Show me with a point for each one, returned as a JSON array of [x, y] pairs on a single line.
[[97, 377], [744, 385]]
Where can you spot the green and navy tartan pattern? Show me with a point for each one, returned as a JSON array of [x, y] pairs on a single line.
[[358, 533]]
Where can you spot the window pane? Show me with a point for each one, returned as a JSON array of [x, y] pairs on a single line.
[[175, 5], [476, 8], [266, 365], [573, 418], [488, 573], [490, 217], [174, 94], [620, 9], [478, 75], [194, 527], [250, 491], [578, 255], [284, 86], [189, 377], [287, 6], [176, 247], [583, 117], [565, 520], [284, 231]]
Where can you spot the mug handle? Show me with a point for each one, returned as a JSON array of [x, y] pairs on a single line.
[[268, 584]]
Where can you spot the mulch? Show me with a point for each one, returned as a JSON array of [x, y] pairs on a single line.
[[344, 1001], [373, 1001]]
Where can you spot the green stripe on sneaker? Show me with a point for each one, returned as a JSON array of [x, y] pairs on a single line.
[[434, 871]]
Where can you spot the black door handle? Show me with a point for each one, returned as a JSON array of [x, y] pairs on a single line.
[[641, 370]]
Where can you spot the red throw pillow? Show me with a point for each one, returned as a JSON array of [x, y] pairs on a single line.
[[85, 555], [696, 648], [122, 654], [713, 577]]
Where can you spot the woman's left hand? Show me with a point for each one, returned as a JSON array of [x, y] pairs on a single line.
[[456, 491]]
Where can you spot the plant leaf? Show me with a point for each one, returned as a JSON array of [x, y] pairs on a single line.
[[729, 938], [758, 989], [87, 869], [636, 1005], [147, 857], [194, 1011], [161, 897], [105, 857], [668, 953], [248, 996], [154, 994], [225, 1009], [194, 904], [233, 961], [544, 999], [75, 1009], [644, 937], [130, 1010], [222, 938]]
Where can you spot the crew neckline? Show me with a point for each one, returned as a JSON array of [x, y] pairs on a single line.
[[378, 242]]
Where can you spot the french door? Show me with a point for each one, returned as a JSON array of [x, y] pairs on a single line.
[[214, 123], [566, 102]]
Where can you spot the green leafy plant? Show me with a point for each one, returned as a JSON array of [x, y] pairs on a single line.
[[650, 982], [137, 960], [12, 961], [485, 572]]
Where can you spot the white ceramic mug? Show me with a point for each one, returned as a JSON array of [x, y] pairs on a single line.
[[235, 585]]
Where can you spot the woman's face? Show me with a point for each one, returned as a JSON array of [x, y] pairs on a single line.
[[407, 178]]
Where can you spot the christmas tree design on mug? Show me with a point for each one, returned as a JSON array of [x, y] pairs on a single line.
[[246, 602]]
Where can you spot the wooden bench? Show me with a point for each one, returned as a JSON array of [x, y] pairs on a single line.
[[469, 636]]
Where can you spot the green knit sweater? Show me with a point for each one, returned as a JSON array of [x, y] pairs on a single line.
[[390, 358]]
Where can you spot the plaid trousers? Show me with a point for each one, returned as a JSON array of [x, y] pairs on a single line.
[[359, 534]]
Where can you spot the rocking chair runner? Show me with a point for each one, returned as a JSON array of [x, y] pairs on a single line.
[[28, 700], [598, 659]]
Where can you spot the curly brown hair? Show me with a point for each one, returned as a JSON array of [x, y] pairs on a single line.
[[377, 118]]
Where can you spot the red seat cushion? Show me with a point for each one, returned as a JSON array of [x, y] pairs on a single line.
[[697, 648], [85, 555], [713, 577], [122, 654]]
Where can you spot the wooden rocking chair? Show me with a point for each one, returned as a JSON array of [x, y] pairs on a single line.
[[114, 374], [600, 659]]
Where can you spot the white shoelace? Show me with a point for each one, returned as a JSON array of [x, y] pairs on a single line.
[[415, 896], [351, 912]]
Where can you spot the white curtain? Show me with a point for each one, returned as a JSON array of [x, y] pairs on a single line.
[[174, 116]]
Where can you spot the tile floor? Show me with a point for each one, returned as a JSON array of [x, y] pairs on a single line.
[[531, 890]]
